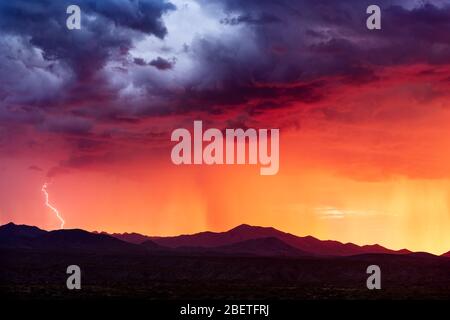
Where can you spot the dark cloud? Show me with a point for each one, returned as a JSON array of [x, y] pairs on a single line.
[[107, 31], [80, 161], [140, 62], [288, 44], [263, 19], [275, 54], [161, 63], [330, 38], [47, 72]]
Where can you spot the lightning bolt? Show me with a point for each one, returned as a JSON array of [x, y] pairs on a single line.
[[44, 190]]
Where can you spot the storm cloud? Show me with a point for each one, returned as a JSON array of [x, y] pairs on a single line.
[[136, 62]]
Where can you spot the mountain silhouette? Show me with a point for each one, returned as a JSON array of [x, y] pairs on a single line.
[[80, 240], [18, 236], [23, 231], [243, 239], [27, 237], [245, 232]]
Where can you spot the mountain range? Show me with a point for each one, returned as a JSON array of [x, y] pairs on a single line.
[[241, 240], [245, 232], [14, 236]]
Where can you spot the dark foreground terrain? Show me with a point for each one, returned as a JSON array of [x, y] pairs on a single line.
[[31, 274], [240, 264]]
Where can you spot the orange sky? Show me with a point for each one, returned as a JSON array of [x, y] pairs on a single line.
[[396, 212], [375, 171]]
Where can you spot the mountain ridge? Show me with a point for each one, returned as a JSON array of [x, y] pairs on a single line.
[[235, 240], [14, 236], [243, 232]]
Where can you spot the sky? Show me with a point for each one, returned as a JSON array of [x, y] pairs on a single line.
[[363, 116]]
